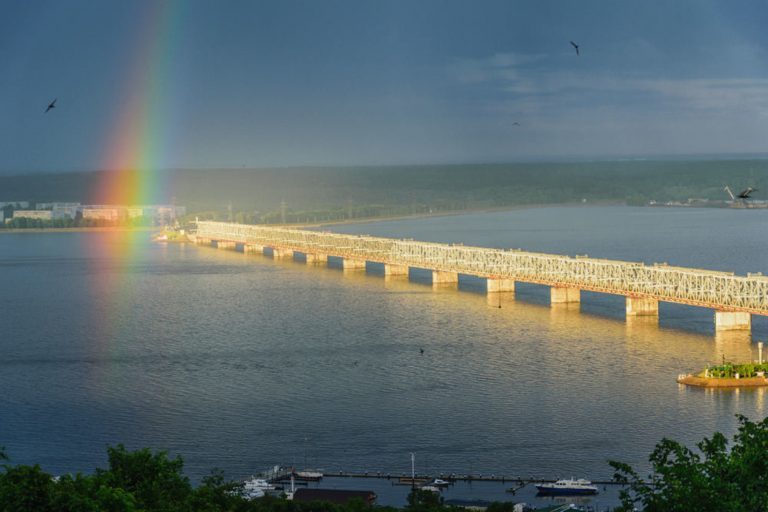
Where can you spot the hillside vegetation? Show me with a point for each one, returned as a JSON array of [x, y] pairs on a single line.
[[349, 192]]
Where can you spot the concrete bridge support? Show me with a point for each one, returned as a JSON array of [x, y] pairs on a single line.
[[500, 285], [732, 321], [314, 258], [203, 241], [280, 254], [395, 270], [351, 264], [225, 244], [563, 295], [642, 306], [253, 248], [441, 277]]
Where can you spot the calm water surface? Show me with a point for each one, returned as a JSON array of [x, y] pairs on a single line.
[[240, 362]]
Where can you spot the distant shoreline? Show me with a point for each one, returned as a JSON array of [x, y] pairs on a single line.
[[76, 230], [450, 213]]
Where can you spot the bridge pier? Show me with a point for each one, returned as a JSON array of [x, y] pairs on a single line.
[[202, 241], [642, 306], [316, 258], [225, 244], [564, 295], [248, 248], [732, 321], [500, 285], [442, 277], [280, 254], [395, 270], [352, 264]]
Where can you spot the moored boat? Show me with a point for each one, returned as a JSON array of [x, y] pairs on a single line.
[[256, 488], [309, 475], [569, 487]]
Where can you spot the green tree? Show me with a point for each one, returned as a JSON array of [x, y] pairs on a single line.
[[420, 500], [26, 488], [712, 479], [91, 494], [156, 481]]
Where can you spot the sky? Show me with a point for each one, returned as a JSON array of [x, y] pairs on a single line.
[[236, 83]]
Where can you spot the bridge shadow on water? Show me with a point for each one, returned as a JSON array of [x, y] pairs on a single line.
[[593, 305]]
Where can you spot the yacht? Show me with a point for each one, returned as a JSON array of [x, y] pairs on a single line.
[[439, 482], [256, 488], [567, 487]]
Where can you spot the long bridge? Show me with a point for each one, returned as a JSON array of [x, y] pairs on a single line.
[[734, 298]]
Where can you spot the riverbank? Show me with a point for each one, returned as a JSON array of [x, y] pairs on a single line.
[[101, 229]]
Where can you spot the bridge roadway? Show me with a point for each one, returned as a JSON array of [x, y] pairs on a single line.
[[734, 298]]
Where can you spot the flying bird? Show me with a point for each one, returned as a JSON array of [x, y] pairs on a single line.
[[746, 192], [52, 105], [576, 47], [515, 124]]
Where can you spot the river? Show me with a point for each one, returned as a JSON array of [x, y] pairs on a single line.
[[241, 362]]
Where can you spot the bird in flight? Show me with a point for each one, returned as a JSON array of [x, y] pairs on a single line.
[[576, 47], [515, 124], [52, 105], [745, 193]]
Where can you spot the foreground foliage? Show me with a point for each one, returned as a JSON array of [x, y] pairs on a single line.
[[712, 479], [145, 481]]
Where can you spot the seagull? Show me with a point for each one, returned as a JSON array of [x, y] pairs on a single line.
[[52, 105], [576, 47], [515, 124], [745, 193]]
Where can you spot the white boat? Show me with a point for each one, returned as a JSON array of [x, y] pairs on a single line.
[[439, 482], [309, 475], [256, 488], [567, 487], [430, 488]]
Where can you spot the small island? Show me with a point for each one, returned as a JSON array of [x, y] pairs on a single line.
[[728, 375]]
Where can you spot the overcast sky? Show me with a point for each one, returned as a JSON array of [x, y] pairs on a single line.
[[257, 83]]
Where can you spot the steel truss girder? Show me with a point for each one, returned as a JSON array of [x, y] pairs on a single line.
[[707, 288]]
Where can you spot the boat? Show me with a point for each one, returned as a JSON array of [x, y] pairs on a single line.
[[439, 482], [430, 488], [256, 488], [309, 475], [567, 487]]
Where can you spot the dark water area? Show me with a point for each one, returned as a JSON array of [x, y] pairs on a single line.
[[241, 362]]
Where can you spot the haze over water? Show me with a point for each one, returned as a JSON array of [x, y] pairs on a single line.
[[240, 362]]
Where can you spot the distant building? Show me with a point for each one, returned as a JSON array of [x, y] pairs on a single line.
[[33, 214], [53, 206], [101, 212], [15, 204], [60, 210], [65, 212]]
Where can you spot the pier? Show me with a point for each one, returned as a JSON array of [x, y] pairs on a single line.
[[733, 298]]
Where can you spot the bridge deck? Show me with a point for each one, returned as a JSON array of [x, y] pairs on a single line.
[[719, 290]]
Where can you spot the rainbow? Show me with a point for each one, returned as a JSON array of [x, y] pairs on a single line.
[[134, 165], [137, 147]]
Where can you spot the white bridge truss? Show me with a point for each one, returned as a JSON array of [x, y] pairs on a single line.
[[722, 291]]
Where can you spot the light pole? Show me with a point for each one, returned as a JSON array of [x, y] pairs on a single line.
[[413, 471]]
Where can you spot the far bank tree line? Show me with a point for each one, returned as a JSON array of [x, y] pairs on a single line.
[[305, 195]]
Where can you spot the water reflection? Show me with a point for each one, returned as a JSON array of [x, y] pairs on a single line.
[[232, 360]]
